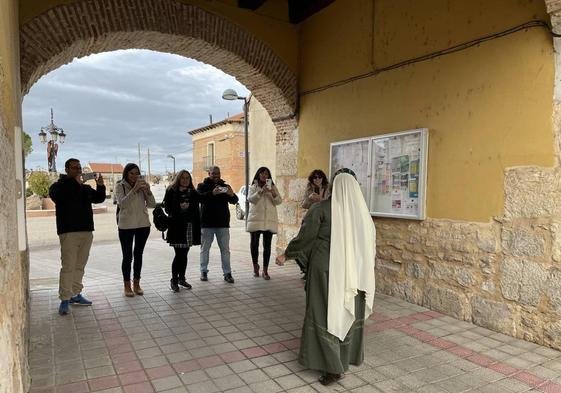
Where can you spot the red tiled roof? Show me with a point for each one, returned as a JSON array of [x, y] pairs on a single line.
[[104, 167], [232, 119]]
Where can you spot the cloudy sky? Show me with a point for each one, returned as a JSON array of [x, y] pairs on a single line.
[[110, 102]]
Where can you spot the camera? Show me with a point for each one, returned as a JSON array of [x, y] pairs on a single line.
[[88, 176]]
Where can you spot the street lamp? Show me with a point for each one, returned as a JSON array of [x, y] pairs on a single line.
[[230, 95], [52, 147], [173, 158]]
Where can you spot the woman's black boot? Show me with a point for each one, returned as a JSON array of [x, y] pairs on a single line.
[[173, 285], [184, 283]]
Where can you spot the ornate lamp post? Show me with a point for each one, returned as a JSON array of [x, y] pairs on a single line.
[[52, 146]]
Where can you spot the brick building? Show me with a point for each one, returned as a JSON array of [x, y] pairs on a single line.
[[220, 144]]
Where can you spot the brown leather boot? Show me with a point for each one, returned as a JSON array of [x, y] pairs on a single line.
[[266, 274], [136, 287], [128, 290], [255, 270]]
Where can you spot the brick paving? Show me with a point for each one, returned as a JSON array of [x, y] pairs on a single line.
[[244, 337]]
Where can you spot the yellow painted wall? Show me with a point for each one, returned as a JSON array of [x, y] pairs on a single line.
[[262, 139], [487, 108], [9, 65], [14, 376], [270, 24]]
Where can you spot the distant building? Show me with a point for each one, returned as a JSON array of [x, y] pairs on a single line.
[[220, 144], [111, 173]]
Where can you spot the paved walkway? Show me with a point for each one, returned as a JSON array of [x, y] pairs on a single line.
[[244, 337]]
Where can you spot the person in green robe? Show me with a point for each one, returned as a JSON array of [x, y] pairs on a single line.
[[337, 244]]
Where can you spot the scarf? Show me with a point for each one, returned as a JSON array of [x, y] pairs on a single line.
[[352, 255]]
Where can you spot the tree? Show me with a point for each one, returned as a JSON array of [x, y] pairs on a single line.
[[27, 143], [39, 183]]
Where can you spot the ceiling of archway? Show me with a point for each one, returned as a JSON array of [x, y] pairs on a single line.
[[78, 29], [298, 10]]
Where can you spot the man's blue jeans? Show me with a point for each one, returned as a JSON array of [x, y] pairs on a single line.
[[223, 239]]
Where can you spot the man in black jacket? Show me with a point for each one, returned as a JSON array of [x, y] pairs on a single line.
[[74, 224], [215, 220]]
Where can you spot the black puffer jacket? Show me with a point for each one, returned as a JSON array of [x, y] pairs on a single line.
[[214, 208], [177, 231], [74, 204]]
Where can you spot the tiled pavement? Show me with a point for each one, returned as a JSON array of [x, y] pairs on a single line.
[[244, 338]]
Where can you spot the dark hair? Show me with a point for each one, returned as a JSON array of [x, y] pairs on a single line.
[[69, 161], [262, 169], [129, 167], [344, 170], [175, 185], [317, 172]]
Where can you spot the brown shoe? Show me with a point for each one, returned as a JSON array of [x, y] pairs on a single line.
[[136, 287], [128, 290], [266, 274], [255, 270]]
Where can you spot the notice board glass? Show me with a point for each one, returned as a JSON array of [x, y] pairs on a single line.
[[354, 155], [393, 176]]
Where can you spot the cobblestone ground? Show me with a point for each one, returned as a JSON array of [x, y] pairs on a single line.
[[244, 337]]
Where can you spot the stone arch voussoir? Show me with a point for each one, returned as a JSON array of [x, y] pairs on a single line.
[[64, 32]]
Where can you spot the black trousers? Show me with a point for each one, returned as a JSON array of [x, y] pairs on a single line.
[[179, 264], [254, 246], [127, 237]]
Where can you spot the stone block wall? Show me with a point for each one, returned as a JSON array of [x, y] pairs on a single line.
[[504, 275]]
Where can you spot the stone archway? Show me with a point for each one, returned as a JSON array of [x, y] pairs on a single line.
[[78, 29], [82, 28]]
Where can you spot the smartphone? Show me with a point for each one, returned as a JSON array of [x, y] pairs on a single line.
[[269, 183], [88, 176]]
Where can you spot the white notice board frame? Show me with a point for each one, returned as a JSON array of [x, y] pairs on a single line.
[[372, 185]]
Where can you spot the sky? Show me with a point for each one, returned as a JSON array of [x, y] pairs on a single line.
[[110, 102]]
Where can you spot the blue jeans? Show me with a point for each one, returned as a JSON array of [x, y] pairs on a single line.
[[223, 239]]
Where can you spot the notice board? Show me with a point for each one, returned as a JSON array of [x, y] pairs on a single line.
[[391, 170]]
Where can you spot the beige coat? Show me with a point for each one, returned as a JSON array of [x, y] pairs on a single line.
[[262, 210], [132, 206]]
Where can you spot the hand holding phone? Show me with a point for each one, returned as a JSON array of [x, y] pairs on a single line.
[[88, 176]]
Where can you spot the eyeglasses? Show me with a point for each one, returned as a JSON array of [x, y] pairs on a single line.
[[317, 177], [75, 167]]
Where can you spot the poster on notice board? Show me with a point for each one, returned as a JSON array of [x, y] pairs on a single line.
[[393, 176]]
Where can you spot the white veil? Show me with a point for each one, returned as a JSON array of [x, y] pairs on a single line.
[[352, 255]]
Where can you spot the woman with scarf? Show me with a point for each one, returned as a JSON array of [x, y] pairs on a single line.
[[337, 243]]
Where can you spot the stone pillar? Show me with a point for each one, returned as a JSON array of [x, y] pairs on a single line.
[[290, 187]]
